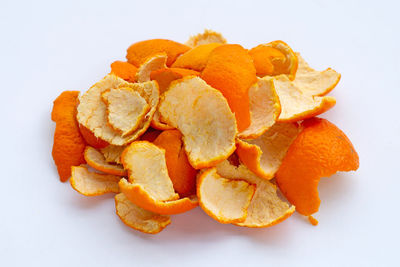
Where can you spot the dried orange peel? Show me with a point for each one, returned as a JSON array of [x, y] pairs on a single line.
[[199, 112], [225, 200], [207, 124], [150, 186], [68, 143], [96, 160], [207, 37], [320, 150], [264, 155], [139, 219], [93, 184]]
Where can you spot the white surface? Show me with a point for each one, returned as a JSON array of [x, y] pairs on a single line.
[[49, 47]]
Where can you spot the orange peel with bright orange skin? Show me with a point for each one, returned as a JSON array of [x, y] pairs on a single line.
[[96, 160]]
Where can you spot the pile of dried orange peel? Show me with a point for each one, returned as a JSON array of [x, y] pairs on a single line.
[[206, 124]]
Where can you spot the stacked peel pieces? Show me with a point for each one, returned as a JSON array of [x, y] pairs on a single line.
[[204, 123]]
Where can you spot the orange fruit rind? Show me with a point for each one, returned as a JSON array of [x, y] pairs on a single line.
[[124, 70], [287, 66], [225, 200], [91, 183], [92, 111], [196, 58], [153, 63], [266, 207], [200, 112], [136, 194], [296, 105], [320, 150], [207, 37], [313, 82], [96, 160], [264, 109], [139, 219], [68, 145], [139, 52], [112, 154], [126, 109], [264, 155]]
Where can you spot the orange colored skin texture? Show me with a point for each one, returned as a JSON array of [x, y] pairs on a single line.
[[230, 69], [68, 146], [320, 150], [263, 57], [182, 174], [140, 51], [150, 135], [124, 70], [91, 139], [165, 76]]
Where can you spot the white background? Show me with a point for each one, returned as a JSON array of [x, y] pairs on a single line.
[[49, 47]]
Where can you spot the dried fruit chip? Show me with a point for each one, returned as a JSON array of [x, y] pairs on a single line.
[[93, 184], [124, 70], [230, 69], [164, 77], [153, 63], [266, 208], [68, 143], [96, 160], [147, 168], [264, 58], [225, 200], [139, 52], [112, 154], [138, 218], [320, 150], [136, 194], [295, 104], [289, 65], [91, 139], [182, 175], [196, 58], [203, 117], [207, 37], [264, 109], [264, 155], [126, 109], [92, 110], [315, 83]]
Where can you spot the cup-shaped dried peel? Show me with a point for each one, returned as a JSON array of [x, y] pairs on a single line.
[[93, 184], [112, 154], [287, 66], [150, 186], [92, 111], [225, 200], [153, 63], [202, 115], [230, 69], [126, 109], [320, 150], [264, 155], [207, 37], [139, 52], [266, 208], [295, 104], [124, 70], [181, 173], [264, 58], [147, 168], [68, 143], [96, 160], [196, 58], [164, 77], [264, 109], [313, 82], [139, 219]]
